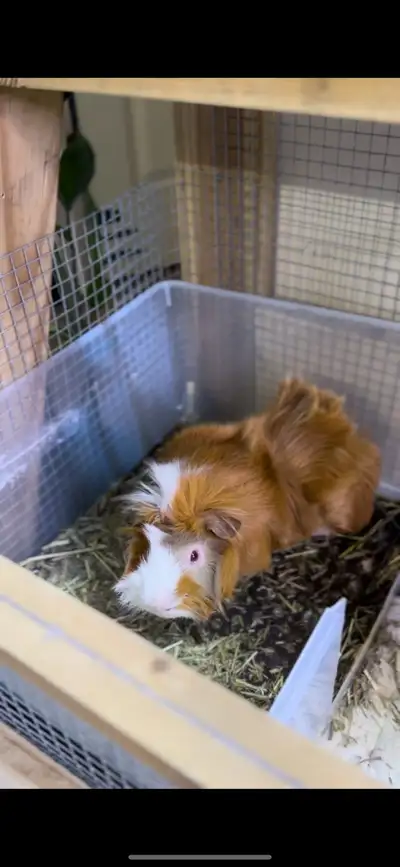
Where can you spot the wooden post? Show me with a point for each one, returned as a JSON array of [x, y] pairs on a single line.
[[30, 141], [226, 193]]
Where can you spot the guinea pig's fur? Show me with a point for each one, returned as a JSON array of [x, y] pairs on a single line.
[[222, 498]]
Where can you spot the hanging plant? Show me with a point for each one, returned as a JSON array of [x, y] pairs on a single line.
[[77, 164], [71, 279], [77, 170]]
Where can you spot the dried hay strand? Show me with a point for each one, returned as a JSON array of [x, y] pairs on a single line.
[[252, 644], [366, 725], [376, 687]]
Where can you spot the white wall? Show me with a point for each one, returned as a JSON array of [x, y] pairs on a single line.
[[132, 138]]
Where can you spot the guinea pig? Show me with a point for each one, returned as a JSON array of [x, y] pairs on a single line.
[[207, 518], [221, 498]]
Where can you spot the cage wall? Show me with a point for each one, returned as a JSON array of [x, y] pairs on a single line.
[[116, 392], [291, 206], [327, 218], [123, 370], [79, 747], [119, 389]]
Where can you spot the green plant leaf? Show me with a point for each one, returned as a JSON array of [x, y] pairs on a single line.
[[77, 168]]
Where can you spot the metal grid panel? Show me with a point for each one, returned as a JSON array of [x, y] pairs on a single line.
[[74, 744], [354, 355], [114, 393], [339, 214], [335, 242], [94, 267], [108, 398], [226, 174]]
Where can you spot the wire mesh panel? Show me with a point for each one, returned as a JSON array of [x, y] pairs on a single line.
[[339, 214], [77, 746], [312, 200], [111, 396], [96, 266], [226, 193], [115, 393]]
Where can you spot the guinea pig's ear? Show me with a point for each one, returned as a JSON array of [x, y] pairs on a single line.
[[222, 525], [165, 523]]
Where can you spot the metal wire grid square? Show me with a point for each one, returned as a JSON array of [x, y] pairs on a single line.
[[74, 425]]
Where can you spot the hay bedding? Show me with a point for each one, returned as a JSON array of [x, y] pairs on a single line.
[[252, 646], [366, 725]]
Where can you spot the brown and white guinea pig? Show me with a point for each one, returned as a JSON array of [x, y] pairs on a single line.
[[222, 498]]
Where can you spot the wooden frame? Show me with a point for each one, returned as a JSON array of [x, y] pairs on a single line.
[[193, 732], [361, 98], [22, 766]]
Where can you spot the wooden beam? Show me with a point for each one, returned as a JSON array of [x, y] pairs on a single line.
[[192, 731], [362, 98], [30, 140], [22, 766]]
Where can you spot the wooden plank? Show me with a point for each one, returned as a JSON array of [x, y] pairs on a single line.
[[363, 98], [9, 779], [193, 731], [30, 141], [24, 766], [226, 193]]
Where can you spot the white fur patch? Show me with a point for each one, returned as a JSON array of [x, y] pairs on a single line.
[[152, 586], [321, 531], [162, 487]]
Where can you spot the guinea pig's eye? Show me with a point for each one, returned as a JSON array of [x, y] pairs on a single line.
[[194, 556]]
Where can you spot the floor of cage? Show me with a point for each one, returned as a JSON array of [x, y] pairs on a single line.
[[253, 643], [366, 726]]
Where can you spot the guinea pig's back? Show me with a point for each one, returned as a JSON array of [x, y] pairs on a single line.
[[314, 440], [205, 444]]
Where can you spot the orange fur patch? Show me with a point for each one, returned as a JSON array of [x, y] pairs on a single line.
[[194, 599]]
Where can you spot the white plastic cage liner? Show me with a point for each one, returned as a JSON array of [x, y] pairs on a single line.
[[119, 389]]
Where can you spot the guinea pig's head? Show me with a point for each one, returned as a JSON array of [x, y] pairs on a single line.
[[170, 574]]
